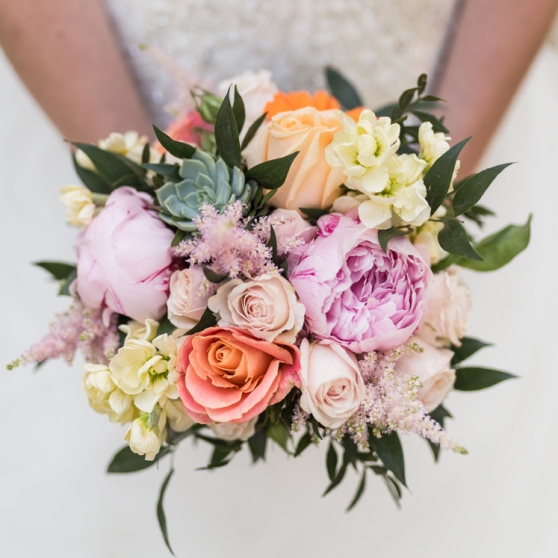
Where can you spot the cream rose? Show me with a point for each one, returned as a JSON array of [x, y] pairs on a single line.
[[185, 305], [79, 204], [311, 182], [447, 309], [266, 307], [433, 368], [331, 383], [230, 431]]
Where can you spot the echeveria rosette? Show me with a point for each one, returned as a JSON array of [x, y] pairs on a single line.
[[206, 179], [354, 293]]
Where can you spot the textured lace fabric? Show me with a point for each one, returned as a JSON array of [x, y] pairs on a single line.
[[380, 45]]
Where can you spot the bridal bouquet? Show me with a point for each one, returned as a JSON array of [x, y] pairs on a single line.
[[278, 268]]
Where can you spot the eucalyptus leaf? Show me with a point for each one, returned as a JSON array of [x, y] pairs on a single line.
[[177, 148], [454, 239], [331, 461], [469, 346], [384, 236], [92, 180], [208, 319], [359, 492], [475, 378], [161, 512], [238, 110], [343, 90], [126, 461], [272, 174], [252, 130], [472, 190], [390, 451], [226, 134], [438, 178], [58, 270]]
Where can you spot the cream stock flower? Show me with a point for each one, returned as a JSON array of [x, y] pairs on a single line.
[[146, 434], [266, 307], [177, 417], [433, 145], [79, 204], [427, 236], [104, 397], [136, 330], [230, 431], [146, 370], [362, 148]]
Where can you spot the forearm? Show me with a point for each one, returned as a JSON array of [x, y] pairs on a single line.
[[495, 43], [67, 56]]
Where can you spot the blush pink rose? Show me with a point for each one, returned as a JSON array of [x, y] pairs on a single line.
[[354, 293], [124, 257], [227, 375], [187, 128]]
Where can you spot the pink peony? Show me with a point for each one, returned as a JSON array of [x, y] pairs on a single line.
[[124, 257], [354, 293]]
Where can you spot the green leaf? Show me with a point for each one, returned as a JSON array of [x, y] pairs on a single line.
[[164, 169], [161, 512], [316, 428], [303, 443], [331, 461], [313, 213], [438, 179], [212, 276], [359, 492], [218, 442], [431, 99], [272, 244], [497, 250], [422, 81], [179, 236], [406, 98], [257, 444], [58, 270], [272, 174], [177, 148], [438, 414], [92, 180], [226, 134], [469, 346], [338, 478], [280, 434], [453, 239], [251, 132], [238, 110], [385, 110], [145, 153], [115, 169], [126, 461], [477, 214], [342, 89], [472, 190], [165, 326], [437, 124], [384, 236], [474, 378], [66, 283], [394, 489], [390, 451], [208, 319]]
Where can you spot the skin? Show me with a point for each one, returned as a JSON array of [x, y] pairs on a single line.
[[76, 71]]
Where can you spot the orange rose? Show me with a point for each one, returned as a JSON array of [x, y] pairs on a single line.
[[286, 102], [227, 375], [311, 182]]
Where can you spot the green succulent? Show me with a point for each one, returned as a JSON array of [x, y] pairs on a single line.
[[206, 179]]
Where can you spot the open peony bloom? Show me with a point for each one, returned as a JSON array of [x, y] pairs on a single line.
[[124, 256], [354, 293], [226, 375]]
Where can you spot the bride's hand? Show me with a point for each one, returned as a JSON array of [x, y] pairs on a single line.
[[493, 47], [68, 57]]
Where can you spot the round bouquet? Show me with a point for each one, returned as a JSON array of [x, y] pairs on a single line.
[[278, 268]]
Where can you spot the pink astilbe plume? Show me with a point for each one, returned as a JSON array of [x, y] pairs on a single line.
[[392, 402], [227, 247], [78, 328]]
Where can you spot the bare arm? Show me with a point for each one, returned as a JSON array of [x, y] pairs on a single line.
[[68, 57], [495, 43]]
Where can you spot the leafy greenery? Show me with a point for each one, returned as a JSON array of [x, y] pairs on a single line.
[[126, 461], [227, 134], [208, 319], [342, 89], [272, 174], [384, 236], [177, 148], [161, 512], [476, 377], [469, 346], [453, 238]]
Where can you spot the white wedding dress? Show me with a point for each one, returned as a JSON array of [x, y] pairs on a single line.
[[501, 500]]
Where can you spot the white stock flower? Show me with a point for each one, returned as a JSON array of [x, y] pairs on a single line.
[[362, 149], [230, 431], [185, 306], [177, 417], [266, 307], [403, 198], [433, 145], [80, 207], [146, 370], [427, 236], [331, 383], [104, 397], [447, 310], [433, 368], [146, 434], [136, 330]]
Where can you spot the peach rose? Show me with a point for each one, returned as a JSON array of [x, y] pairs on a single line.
[[227, 375], [311, 182]]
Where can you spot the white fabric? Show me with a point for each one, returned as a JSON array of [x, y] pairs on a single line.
[[501, 500]]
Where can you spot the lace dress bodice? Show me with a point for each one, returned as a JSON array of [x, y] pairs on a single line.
[[380, 45]]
